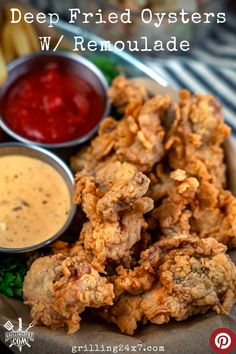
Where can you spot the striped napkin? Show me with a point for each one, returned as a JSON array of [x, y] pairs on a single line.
[[211, 67]]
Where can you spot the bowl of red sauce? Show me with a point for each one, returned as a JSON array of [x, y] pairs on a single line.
[[55, 100]]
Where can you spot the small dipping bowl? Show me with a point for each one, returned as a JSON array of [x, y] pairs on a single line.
[[37, 153], [90, 83]]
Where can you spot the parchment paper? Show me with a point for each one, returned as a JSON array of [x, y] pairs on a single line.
[[190, 336]]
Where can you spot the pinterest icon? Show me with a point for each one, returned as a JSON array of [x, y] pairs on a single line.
[[223, 340]]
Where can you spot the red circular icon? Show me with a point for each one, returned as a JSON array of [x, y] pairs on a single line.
[[223, 340]]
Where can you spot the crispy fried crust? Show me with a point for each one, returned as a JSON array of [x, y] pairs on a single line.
[[158, 174], [195, 137], [138, 138], [202, 210], [191, 277], [114, 203], [59, 288]]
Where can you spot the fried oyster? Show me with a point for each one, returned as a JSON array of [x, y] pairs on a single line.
[[194, 143], [59, 288], [152, 187], [137, 138], [114, 202], [187, 276], [202, 210], [194, 140]]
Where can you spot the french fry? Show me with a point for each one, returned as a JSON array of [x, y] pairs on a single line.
[[32, 36], [7, 42], [20, 40], [3, 68], [26, 41]]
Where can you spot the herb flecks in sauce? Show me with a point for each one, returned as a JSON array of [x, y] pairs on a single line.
[[34, 205]]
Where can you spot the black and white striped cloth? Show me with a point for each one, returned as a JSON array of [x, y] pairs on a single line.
[[211, 68]]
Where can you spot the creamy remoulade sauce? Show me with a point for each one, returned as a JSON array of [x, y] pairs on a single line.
[[34, 201]]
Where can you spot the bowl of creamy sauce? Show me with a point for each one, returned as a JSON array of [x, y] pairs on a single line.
[[36, 197]]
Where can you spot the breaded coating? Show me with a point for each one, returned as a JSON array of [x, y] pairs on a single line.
[[114, 202], [192, 276], [59, 288], [194, 144], [202, 210], [155, 217], [174, 214], [126, 313], [160, 182], [214, 214], [131, 281], [137, 138], [127, 96], [194, 140]]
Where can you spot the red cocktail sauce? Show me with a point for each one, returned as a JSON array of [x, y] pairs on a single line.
[[52, 105]]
